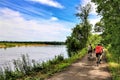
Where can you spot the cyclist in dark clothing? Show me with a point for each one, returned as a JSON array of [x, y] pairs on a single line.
[[89, 50]]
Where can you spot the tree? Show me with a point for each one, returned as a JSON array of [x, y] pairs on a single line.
[[111, 20], [99, 27], [80, 33], [73, 41], [83, 13]]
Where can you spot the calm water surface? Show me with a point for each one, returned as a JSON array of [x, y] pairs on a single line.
[[38, 53]]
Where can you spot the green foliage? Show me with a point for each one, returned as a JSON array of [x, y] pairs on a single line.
[[80, 54], [1, 74], [34, 78], [24, 66], [111, 36], [48, 66], [99, 27], [83, 12], [114, 65], [73, 45], [25, 69], [14, 43], [94, 40], [80, 33], [6, 44], [111, 20]]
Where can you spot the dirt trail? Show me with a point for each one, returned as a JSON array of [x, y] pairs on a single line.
[[84, 70]]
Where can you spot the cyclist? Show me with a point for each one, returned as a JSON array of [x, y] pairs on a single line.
[[89, 50], [98, 51]]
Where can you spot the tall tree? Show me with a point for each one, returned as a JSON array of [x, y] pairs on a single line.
[[80, 33], [110, 10], [83, 14]]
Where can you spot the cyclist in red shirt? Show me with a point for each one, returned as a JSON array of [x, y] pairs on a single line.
[[98, 51]]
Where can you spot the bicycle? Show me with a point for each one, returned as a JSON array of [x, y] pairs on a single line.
[[99, 59], [89, 55]]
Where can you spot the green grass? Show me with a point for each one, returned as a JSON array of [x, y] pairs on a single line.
[[25, 69], [114, 65]]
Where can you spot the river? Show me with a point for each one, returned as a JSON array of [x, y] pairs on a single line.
[[38, 53]]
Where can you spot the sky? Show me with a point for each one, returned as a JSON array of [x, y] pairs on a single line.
[[40, 20]]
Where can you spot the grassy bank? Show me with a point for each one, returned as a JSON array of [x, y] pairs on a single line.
[[114, 65], [5, 44], [26, 69]]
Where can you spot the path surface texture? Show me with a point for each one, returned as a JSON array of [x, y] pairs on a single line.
[[84, 69]]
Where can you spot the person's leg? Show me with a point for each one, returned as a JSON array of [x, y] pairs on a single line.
[[96, 58], [88, 55], [91, 53], [100, 57]]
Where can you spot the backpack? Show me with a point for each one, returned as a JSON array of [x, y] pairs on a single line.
[[89, 48]]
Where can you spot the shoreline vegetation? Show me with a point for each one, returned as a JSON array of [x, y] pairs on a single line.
[[5, 44], [79, 38], [26, 69]]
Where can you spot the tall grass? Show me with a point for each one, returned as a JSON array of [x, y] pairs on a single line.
[[26, 69], [1, 74], [114, 65], [24, 65]]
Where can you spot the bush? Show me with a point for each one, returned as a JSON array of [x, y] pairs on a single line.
[[114, 65], [24, 68]]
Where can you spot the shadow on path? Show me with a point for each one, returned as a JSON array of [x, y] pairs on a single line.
[[84, 70]]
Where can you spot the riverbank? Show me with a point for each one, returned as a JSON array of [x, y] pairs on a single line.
[[20, 45], [27, 70], [57, 66], [5, 44]]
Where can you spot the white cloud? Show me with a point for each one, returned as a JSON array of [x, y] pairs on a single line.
[[15, 27], [54, 19], [49, 3], [94, 20]]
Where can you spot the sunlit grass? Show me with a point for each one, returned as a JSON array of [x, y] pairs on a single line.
[[114, 65], [26, 69]]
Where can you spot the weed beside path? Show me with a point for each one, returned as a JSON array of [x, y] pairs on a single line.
[[84, 70]]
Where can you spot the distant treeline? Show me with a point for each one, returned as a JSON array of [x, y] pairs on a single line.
[[35, 42]]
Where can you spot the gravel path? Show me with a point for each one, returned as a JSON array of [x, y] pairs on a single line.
[[84, 70]]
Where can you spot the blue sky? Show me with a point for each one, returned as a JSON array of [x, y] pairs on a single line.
[[39, 20]]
